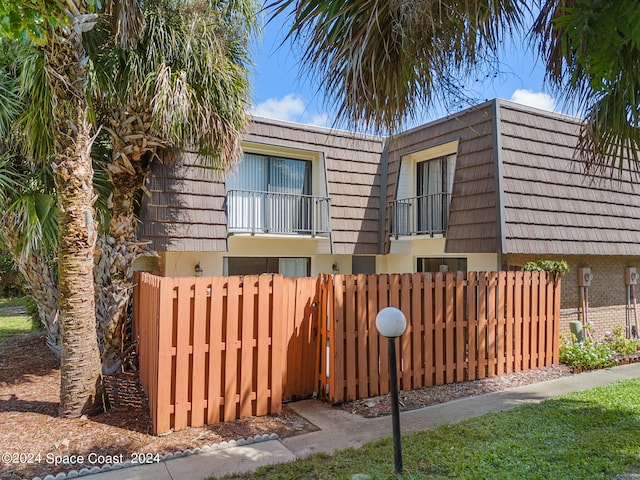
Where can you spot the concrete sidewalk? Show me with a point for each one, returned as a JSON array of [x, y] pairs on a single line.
[[340, 429]]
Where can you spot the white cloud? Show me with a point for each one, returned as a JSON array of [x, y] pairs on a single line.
[[291, 107], [539, 100], [319, 119]]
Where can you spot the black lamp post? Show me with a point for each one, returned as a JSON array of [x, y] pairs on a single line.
[[391, 323]]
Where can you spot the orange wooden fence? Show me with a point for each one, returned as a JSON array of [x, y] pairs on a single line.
[[220, 348], [460, 326]]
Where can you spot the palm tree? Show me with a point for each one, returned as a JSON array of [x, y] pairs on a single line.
[[28, 228], [57, 28], [81, 387], [184, 86], [383, 61], [591, 52], [28, 223]]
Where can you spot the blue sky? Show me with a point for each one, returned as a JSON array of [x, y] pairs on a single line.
[[281, 90]]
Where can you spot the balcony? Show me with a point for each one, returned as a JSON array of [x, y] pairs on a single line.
[[424, 215], [254, 212]]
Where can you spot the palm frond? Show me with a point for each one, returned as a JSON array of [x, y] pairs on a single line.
[[590, 50], [380, 62]]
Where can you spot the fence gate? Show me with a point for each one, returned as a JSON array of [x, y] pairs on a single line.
[[220, 348]]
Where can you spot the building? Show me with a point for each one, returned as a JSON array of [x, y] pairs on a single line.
[[489, 188]]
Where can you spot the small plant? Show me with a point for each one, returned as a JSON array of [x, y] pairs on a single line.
[[592, 354], [621, 345], [557, 267]]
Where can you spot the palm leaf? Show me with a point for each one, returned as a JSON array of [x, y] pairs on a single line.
[[381, 62]]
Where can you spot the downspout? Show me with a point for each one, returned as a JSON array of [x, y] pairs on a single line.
[[382, 202], [499, 169]]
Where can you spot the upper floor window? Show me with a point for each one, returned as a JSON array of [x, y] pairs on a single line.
[[272, 194], [425, 184], [433, 188], [263, 173]]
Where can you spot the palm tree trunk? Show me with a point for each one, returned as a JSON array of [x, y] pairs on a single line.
[[133, 149], [44, 291], [114, 276], [81, 388]]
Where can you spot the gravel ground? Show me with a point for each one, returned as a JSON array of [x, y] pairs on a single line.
[[377, 406]]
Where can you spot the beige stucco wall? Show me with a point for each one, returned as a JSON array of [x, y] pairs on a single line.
[[183, 263], [405, 251]]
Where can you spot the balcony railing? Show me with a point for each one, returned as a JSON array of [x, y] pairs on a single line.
[[424, 215], [250, 211]]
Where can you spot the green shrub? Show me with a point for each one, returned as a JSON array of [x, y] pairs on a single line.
[[557, 267], [592, 354]]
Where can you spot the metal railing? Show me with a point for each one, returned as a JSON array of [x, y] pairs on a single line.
[[424, 215], [250, 211]]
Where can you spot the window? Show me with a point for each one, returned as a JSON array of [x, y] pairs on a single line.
[[363, 264], [289, 267], [270, 194], [448, 264], [425, 185], [433, 189]]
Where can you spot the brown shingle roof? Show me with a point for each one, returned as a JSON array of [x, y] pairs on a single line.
[[550, 207]]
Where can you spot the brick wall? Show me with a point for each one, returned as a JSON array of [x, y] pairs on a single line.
[[607, 294]]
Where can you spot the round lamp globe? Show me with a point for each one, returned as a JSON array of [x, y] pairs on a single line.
[[391, 322]]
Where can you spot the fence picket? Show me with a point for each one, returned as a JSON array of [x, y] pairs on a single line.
[[509, 322], [216, 326], [482, 325], [339, 337], [417, 331], [278, 344], [374, 340], [247, 370], [449, 322], [363, 335], [527, 364], [263, 342], [518, 331], [234, 299], [460, 325], [199, 342], [472, 325], [438, 326], [351, 336], [383, 301], [405, 340]]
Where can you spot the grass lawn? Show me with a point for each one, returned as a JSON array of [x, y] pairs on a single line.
[[13, 324], [590, 434]]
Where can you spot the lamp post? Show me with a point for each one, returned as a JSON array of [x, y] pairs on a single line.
[[391, 323]]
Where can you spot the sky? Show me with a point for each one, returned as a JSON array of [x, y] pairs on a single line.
[[282, 91]]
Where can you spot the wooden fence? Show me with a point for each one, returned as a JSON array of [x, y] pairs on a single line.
[[460, 326], [219, 348]]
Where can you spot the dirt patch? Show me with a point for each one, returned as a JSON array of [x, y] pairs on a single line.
[[33, 434]]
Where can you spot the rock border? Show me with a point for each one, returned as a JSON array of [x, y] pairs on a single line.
[[167, 456]]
